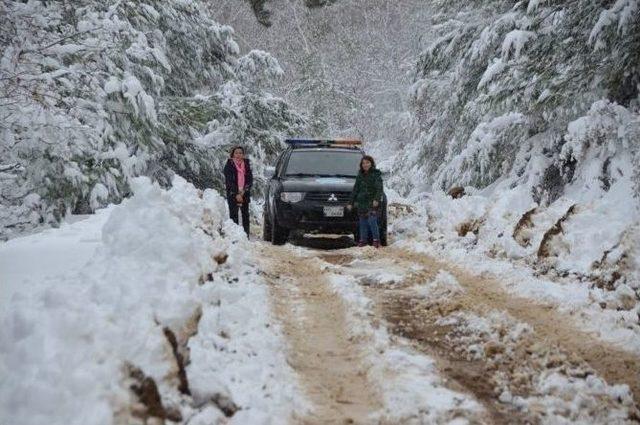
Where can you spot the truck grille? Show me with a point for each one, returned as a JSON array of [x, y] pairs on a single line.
[[340, 197]]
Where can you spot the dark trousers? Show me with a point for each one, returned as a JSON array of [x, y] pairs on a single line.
[[233, 212]]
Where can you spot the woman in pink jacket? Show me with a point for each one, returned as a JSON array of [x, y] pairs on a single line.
[[238, 181]]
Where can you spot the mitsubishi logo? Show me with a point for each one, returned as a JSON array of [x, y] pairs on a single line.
[[332, 198]]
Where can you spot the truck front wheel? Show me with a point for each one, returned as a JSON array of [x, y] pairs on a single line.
[[279, 234]]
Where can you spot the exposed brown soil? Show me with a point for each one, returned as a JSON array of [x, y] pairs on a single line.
[[406, 317], [550, 326], [521, 231], [150, 402], [456, 192], [183, 386], [545, 250], [328, 361], [472, 226]]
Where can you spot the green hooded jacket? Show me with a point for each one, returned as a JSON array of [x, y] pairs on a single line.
[[368, 187]]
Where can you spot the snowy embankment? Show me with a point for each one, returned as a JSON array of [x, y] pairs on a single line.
[[526, 108], [578, 250], [147, 309], [583, 263]]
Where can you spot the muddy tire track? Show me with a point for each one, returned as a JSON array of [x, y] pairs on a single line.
[[406, 318], [326, 360], [551, 327]]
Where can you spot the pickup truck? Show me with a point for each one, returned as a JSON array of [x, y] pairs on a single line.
[[310, 188]]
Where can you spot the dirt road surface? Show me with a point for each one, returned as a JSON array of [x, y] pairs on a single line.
[[524, 362]]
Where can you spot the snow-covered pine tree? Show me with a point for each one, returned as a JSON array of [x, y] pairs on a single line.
[[496, 93], [93, 93], [533, 106]]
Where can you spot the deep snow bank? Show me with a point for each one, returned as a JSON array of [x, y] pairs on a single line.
[[533, 256], [169, 300]]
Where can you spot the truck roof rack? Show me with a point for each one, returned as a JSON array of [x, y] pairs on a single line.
[[331, 143]]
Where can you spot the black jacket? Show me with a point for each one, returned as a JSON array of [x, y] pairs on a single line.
[[231, 178]]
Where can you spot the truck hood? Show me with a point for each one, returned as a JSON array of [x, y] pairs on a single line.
[[318, 184]]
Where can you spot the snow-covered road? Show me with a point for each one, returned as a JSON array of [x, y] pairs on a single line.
[[398, 336]]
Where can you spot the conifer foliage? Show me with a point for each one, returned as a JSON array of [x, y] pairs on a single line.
[[93, 93], [527, 91]]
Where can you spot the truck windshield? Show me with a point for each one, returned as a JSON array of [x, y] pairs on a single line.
[[324, 163]]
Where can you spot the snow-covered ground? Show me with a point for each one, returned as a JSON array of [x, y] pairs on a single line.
[[159, 287]]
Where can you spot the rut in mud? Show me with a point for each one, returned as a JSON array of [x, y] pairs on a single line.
[[532, 340], [551, 327], [321, 352]]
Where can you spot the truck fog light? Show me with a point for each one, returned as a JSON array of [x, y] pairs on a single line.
[[291, 197]]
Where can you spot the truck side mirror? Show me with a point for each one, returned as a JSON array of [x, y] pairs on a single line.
[[269, 172]]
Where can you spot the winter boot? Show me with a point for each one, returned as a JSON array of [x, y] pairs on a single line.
[[361, 244], [376, 243]]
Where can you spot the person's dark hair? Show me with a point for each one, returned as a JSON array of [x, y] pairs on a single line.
[[368, 158], [234, 149]]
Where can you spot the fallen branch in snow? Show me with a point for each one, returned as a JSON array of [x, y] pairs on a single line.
[[9, 167]]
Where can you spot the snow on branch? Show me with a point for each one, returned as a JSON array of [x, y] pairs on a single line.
[[607, 130], [258, 65], [486, 153], [515, 42], [625, 12]]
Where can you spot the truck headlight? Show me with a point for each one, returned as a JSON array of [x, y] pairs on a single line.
[[291, 197]]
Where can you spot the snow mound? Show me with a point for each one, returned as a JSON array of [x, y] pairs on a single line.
[[443, 285], [168, 279], [588, 230]]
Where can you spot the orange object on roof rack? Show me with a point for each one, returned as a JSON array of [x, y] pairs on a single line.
[[348, 141]]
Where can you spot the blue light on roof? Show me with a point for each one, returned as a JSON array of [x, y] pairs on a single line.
[[323, 142], [304, 141]]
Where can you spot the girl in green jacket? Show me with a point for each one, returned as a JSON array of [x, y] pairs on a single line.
[[367, 198]]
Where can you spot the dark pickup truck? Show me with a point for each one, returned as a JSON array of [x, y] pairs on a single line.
[[310, 189]]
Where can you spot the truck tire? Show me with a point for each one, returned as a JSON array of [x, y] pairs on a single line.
[[266, 228], [279, 234], [383, 235], [383, 229]]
